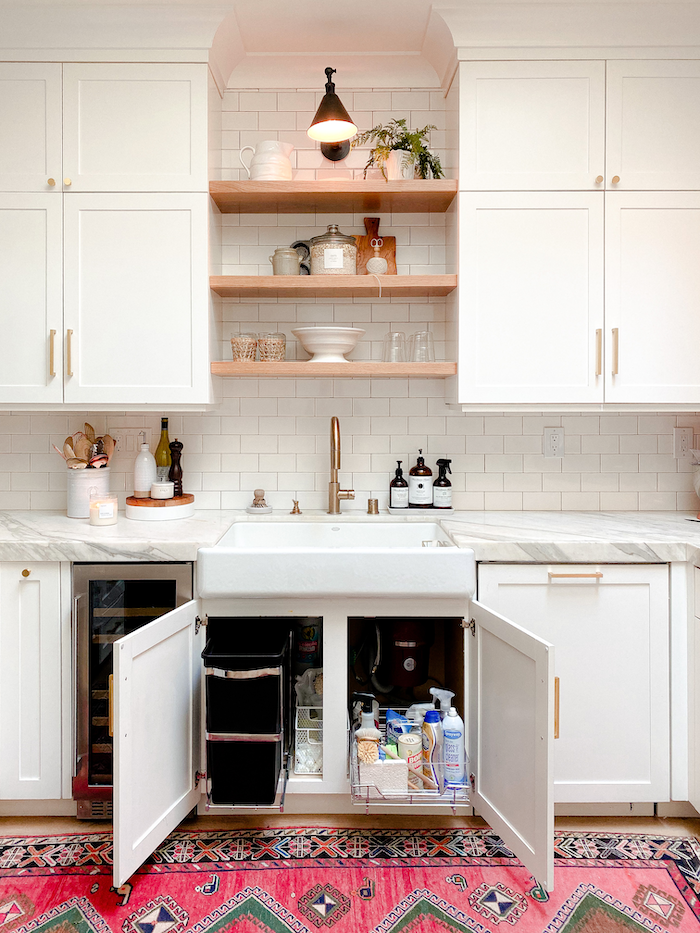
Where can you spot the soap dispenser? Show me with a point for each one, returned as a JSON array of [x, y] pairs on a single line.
[[420, 489], [442, 487], [398, 489], [145, 472]]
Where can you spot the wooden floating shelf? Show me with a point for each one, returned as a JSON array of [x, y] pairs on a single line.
[[332, 286], [291, 197], [350, 369]]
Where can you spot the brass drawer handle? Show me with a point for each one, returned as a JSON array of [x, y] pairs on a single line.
[[616, 350], [599, 352], [52, 353], [25, 573], [577, 576], [556, 707], [69, 353]]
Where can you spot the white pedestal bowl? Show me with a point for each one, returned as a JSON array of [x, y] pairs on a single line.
[[328, 344]]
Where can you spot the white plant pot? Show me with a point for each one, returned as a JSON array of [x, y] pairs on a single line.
[[400, 165], [80, 482]]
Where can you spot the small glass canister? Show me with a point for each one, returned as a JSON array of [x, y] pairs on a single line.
[[333, 253], [243, 346], [104, 508], [272, 346]]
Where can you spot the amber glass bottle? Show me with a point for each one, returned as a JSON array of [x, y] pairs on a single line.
[[420, 488], [398, 490]]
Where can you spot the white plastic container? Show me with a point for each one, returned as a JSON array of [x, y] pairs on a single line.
[[454, 751], [145, 473], [80, 482], [432, 746]]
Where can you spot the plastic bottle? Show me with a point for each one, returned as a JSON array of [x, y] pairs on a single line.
[[420, 490], [454, 752], [163, 458], [367, 728], [442, 487], [144, 473], [444, 698], [398, 489], [432, 746]]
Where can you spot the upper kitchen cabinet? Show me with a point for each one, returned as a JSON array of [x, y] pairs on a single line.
[[103, 127], [653, 125], [532, 125], [30, 115]]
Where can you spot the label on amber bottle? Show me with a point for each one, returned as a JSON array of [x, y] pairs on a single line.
[[420, 490]]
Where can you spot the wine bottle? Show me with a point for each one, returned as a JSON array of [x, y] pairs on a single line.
[[162, 453]]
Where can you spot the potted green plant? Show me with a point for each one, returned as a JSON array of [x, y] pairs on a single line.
[[412, 156]]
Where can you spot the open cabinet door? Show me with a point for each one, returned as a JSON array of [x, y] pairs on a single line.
[[511, 732], [156, 702]]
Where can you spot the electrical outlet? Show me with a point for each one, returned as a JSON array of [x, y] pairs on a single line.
[[682, 443], [127, 440], [554, 442]]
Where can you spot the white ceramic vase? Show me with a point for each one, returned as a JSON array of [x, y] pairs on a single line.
[[400, 165], [80, 482]]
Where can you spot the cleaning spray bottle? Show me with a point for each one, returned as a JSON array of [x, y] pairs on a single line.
[[367, 728], [442, 487], [454, 751], [444, 698]]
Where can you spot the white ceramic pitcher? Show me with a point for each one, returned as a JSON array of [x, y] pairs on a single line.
[[270, 161]]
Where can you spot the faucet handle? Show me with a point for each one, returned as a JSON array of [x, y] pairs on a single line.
[[346, 493]]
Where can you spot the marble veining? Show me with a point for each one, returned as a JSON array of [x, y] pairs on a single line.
[[548, 537]]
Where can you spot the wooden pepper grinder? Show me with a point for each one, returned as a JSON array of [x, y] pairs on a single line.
[[175, 474]]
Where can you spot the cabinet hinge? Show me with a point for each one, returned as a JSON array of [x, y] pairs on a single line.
[[198, 623], [471, 625], [199, 776], [472, 782]]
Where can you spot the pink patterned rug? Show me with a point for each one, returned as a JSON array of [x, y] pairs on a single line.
[[385, 881]]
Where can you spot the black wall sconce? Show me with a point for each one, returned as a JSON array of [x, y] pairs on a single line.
[[332, 126]]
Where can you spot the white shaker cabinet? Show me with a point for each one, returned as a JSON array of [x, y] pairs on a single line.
[[652, 296], [609, 623], [30, 117], [653, 125], [532, 125], [31, 311], [531, 297], [30, 681]]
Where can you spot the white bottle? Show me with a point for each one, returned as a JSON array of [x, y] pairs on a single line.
[[145, 473], [454, 752]]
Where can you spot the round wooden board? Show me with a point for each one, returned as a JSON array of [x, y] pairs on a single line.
[[161, 503]]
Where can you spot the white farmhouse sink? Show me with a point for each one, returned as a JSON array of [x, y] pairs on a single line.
[[335, 558]]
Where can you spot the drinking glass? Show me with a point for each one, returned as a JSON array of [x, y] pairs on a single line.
[[394, 348], [423, 347]]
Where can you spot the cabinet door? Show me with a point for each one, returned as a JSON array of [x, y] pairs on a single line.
[[157, 710], [511, 716], [31, 310], [30, 681], [30, 117], [135, 127], [652, 295], [531, 297], [136, 296], [653, 124], [532, 125], [610, 627]]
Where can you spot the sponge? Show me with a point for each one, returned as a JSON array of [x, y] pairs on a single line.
[[384, 777]]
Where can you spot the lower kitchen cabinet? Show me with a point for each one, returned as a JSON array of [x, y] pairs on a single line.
[[610, 625], [502, 674], [30, 681]]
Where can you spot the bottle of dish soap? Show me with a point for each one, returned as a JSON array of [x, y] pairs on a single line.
[[398, 490], [144, 472], [442, 487], [420, 490]]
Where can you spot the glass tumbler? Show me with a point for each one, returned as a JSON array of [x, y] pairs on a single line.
[[243, 346], [271, 346], [423, 347], [394, 348]]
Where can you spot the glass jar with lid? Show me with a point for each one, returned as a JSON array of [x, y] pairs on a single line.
[[333, 253]]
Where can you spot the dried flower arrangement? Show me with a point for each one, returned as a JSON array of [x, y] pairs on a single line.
[[83, 449]]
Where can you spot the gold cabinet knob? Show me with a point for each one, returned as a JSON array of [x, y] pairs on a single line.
[[51, 182], [616, 179], [25, 572], [599, 180], [67, 182]]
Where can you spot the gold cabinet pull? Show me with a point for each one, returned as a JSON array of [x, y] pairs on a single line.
[[556, 708], [51, 182], [25, 573], [67, 182], [575, 576], [599, 352], [615, 350], [616, 179], [110, 714], [69, 352], [599, 180], [52, 353]]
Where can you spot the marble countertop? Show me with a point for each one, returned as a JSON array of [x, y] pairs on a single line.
[[551, 537]]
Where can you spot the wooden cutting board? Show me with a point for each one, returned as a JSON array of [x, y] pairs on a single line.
[[149, 503], [365, 251]]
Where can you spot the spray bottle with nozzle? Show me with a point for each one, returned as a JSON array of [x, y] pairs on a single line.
[[444, 698], [442, 487], [367, 728]]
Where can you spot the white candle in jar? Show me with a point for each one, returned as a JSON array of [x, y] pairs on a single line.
[[103, 510]]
